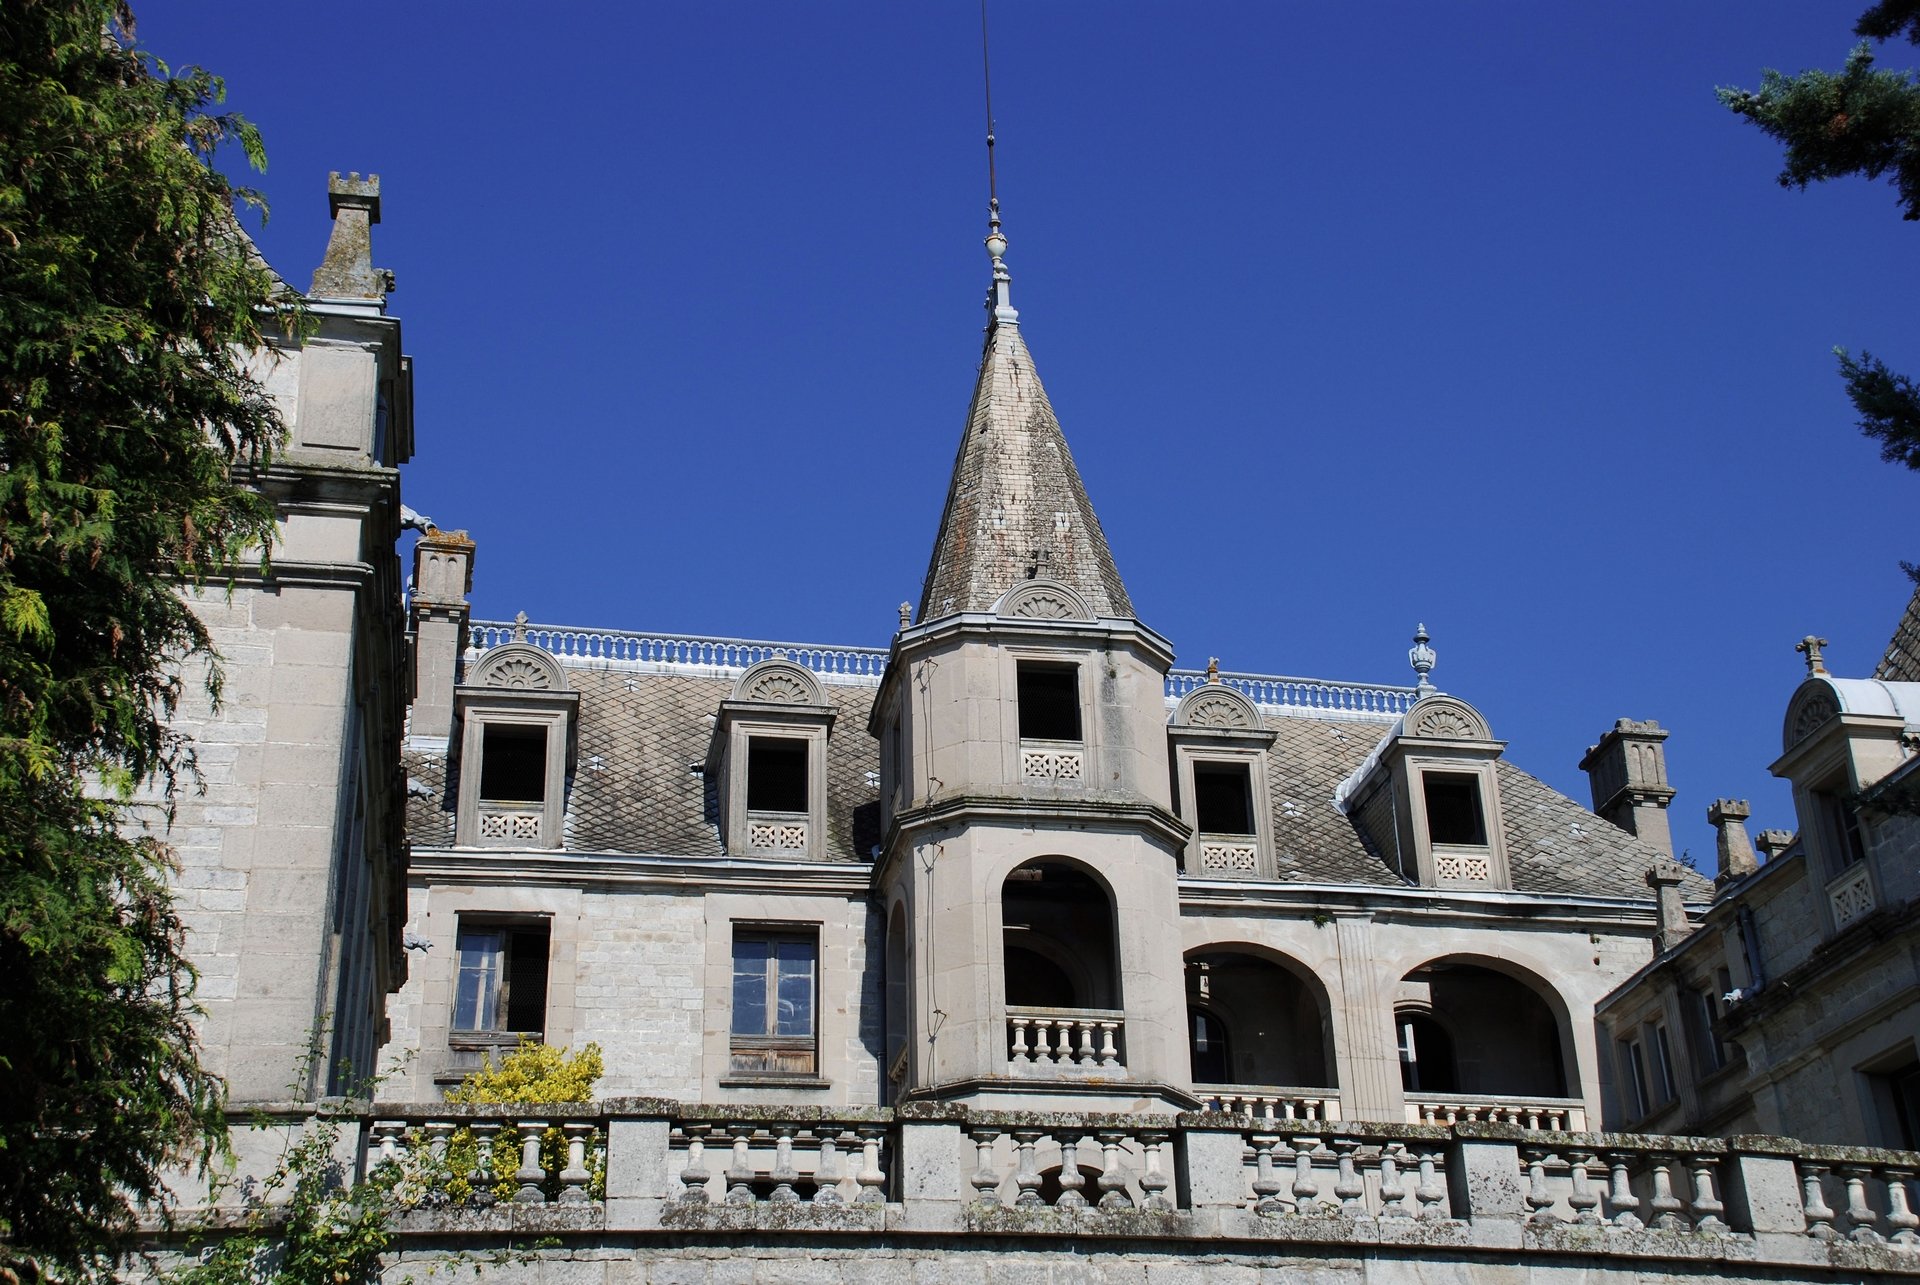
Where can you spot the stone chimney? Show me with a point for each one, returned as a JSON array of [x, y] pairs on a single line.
[[348, 272], [442, 579], [1628, 772], [1729, 818], [1665, 877], [1773, 842]]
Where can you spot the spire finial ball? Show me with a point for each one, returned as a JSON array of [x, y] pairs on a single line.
[[996, 244]]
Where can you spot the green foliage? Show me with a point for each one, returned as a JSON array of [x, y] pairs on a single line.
[[1863, 120], [129, 306], [1889, 406], [533, 1073]]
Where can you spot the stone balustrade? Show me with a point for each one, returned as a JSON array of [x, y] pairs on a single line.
[[595, 1176], [1850, 895], [1467, 1108], [1270, 1102], [1055, 1039], [1277, 691], [510, 823], [853, 665]]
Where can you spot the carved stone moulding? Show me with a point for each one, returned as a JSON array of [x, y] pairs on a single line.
[[1044, 600], [519, 666], [1447, 718], [1216, 706], [778, 682]]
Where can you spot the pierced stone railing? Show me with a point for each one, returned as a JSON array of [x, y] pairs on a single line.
[[777, 832], [1052, 1039], [1059, 761], [1229, 856], [1564, 1114], [680, 650], [510, 823], [1270, 1102], [1375, 1174], [1281, 692], [1848, 1195], [1851, 895]]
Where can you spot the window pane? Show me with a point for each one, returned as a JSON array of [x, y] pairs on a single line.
[[477, 990], [796, 988], [750, 985]]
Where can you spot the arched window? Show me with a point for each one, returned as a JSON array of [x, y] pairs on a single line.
[[1059, 947], [1426, 1055]]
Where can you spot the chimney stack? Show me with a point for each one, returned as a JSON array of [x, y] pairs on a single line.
[[1665, 878], [1735, 849], [442, 579], [1774, 842], [347, 272], [1628, 772]]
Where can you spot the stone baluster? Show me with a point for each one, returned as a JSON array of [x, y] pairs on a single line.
[[1266, 1183], [872, 1178], [1113, 1178], [1818, 1212], [740, 1173], [1019, 1052], [1708, 1208], [986, 1175], [1621, 1200], [1539, 1199], [1109, 1044], [439, 1138], [1395, 1198], [1431, 1190], [1071, 1179], [1533, 1117], [1900, 1216], [532, 1174], [784, 1174], [484, 1177], [1088, 1054], [1154, 1181], [1862, 1221], [1306, 1189], [1668, 1210], [574, 1178], [694, 1177], [388, 1136], [826, 1177], [1348, 1187], [1042, 1050], [1583, 1200], [1027, 1175]]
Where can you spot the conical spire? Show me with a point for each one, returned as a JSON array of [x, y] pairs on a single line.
[[1016, 509]]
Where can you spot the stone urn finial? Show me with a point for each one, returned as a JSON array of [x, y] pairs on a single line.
[[1213, 669], [1422, 658], [1810, 648], [519, 626]]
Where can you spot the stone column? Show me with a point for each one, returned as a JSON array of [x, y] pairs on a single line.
[[1735, 849], [1370, 1068]]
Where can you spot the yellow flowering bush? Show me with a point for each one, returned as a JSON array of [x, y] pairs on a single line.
[[533, 1074]]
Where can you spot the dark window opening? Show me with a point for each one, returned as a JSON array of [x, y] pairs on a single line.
[[1210, 1062], [1223, 798], [1898, 1091], [775, 980], [1426, 1056], [1049, 702], [502, 983], [1636, 1062], [1453, 809], [776, 774], [513, 764], [1842, 825]]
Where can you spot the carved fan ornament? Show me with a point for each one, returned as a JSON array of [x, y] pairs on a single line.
[[1443, 722], [779, 687], [518, 671], [1044, 600], [1815, 710], [1443, 718], [1044, 606], [1214, 710], [778, 682]]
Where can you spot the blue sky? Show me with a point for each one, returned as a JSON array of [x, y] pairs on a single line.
[[1482, 314]]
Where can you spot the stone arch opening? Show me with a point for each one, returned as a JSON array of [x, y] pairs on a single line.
[[1474, 1026], [1254, 1018], [1059, 947]]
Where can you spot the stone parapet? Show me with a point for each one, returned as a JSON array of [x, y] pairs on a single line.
[[646, 1176]]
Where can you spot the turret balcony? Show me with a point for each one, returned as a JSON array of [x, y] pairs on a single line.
[[1047, 1041]]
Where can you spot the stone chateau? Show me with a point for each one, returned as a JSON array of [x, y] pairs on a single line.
[[1010, 945]]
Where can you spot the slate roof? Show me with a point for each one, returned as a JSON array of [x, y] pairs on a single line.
[[1015, 491], [640, 734], [1901, 664]]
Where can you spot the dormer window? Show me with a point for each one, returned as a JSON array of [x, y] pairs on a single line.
[[1220, 747], [1454, 816], [770, 748], [516, 713]]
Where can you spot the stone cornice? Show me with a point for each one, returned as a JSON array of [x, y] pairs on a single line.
[[636, 872]]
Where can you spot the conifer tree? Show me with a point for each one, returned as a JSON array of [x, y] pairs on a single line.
[[131, 306], [1861, 120]]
